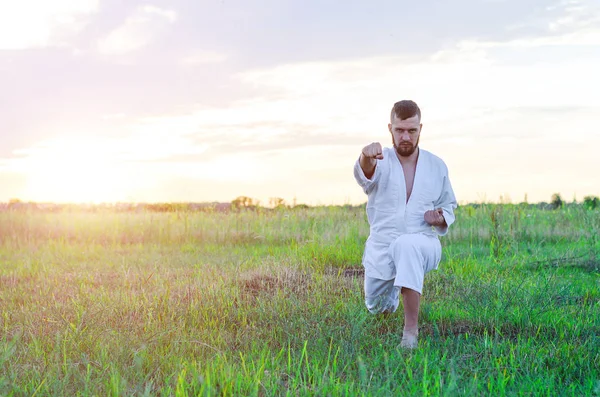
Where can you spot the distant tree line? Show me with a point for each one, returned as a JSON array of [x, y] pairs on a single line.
[[241, 203], [589, 202]]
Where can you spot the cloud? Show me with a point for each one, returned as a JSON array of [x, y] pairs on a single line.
[[34, 24], [483, 102], [493, 109], [576, 14], [472, 81], [461, 90], [259, 139], [138, 30], [582, 37], [576, 23], [203, 57]]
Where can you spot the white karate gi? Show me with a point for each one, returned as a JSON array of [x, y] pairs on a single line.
[[402, 247]]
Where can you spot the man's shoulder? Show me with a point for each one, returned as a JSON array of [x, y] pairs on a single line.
[[434, 159]]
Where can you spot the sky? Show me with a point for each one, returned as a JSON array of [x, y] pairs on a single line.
[[208, 100]]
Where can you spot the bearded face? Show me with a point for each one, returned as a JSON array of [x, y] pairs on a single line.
[[406, 149], [405, 135]]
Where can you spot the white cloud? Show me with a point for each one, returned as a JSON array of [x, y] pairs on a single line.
[[33, 23], [169, 15], [498, 115], [468, 82], [138, 30], [583, 37], [482, 102], [575, 23], [576, 15], [203, 57], [113, 116]]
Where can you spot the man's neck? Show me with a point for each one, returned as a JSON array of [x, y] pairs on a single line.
[[409, 160]]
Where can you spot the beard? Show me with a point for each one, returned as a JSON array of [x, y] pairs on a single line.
[[405, 150]]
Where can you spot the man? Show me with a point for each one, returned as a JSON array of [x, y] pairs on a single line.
[[410, 203]]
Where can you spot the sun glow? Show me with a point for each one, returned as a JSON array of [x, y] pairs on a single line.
[[71, 171]]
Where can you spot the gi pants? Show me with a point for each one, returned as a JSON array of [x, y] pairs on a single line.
[[413, 256]]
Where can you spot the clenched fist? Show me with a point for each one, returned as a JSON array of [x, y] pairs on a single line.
[[435, 217], [373, 151]]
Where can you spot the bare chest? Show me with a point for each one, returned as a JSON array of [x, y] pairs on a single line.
[[409, 178]]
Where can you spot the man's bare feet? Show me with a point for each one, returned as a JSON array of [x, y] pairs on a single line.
[[410, 339]]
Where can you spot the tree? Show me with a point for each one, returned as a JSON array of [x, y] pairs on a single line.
[[244, 202], [557, 201], [277, 202], [591, 202]]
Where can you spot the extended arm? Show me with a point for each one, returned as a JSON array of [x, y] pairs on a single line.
[[367, 171], [368, 158]]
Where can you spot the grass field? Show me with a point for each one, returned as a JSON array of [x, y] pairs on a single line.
[[270, 303]]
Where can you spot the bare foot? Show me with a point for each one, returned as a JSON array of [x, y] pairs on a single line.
[[410, 339]]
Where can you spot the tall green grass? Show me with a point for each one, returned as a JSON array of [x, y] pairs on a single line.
[[270, 303]]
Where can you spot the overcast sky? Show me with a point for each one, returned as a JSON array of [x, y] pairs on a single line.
[[207, 100]]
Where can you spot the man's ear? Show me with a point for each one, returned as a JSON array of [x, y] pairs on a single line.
[[390, 128]]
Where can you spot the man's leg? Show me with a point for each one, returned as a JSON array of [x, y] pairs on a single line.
[[414, 255], [411, 300], [381, 296]]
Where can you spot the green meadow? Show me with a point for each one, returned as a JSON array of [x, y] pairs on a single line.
[[270, 303]]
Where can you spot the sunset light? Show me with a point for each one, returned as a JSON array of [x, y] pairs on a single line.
[[299, 198], [149, 104], [71, 171]]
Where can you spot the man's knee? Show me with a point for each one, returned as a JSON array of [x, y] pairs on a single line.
[[380, 307], [386, 302], [373, 307], [404, 252], [405, 241]]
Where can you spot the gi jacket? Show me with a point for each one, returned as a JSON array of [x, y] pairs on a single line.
[[390, 215]]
